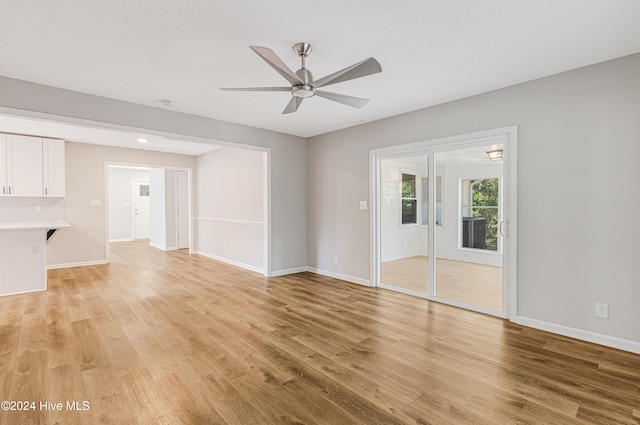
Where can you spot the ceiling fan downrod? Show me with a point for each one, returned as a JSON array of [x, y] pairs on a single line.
[[305, 90]]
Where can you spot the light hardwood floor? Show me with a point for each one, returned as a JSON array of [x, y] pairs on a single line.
[[164, 338], [469, 283]]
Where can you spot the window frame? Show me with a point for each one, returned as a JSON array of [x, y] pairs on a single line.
[[471, 207], [413, 199]]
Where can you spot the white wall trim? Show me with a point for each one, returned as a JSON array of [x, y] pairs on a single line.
[[163, 248], [352, 279], [285, 272], [232, 262], [121, 240], [224, 220], [596, 338], [78, 264], [23, 292]]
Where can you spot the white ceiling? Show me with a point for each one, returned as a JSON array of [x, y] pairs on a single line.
[[431, 52]]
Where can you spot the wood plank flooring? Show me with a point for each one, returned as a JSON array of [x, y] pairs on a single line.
[[167, 338], [474, 284]]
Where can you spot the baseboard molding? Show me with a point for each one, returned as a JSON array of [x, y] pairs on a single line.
[[162, 248], [284, 272], [78, 264], [232, 262], [23, 292], [121, 240], [606, 340], [352, 279]]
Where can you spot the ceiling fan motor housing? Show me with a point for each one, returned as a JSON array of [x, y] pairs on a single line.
[[303, 90]]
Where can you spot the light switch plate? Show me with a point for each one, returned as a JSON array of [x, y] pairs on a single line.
[[96, 203], [363, 205]]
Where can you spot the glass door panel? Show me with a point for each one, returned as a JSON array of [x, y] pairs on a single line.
[[468, 244], [404, 223]]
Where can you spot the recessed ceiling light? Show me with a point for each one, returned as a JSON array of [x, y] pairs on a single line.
[[141, 140], [167, 102]]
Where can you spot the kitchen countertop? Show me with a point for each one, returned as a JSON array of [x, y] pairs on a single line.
[[44, 224]]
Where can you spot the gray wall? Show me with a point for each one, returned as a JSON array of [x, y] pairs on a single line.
[[579, 146], [288, 153]]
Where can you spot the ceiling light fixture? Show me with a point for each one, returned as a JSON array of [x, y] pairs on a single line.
[[495, 155], [167, 102], [141, 140]]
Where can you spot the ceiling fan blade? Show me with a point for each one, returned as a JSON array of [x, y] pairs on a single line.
[[360, 69], [256, 88], [276, 63], [355, 102], [293, 105]]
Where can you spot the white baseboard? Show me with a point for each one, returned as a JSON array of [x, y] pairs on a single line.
[[232, 262], [284, 272], [606, 340], [352, 279], [78, 264], [23, 292], [162, 248], [121, 240]]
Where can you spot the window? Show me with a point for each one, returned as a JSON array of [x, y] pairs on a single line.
[[409, 200], [144, 190], [424, 209], [480, 213]]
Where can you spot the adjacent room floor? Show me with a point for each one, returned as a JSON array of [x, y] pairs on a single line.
[[474, 284], [166, 338]]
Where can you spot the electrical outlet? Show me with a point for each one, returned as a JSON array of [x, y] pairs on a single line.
[[335, 260], [38, 208], [602, 310]]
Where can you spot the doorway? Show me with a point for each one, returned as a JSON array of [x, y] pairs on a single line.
[[444, 220], [149, 203]]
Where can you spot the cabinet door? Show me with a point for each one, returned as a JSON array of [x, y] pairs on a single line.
[[3, 165], [24, 165], [53, 168]]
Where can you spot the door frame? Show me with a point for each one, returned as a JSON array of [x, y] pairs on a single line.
[[508, 136], [176, 175]]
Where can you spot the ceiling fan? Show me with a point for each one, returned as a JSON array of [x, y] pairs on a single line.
[[304, 86]]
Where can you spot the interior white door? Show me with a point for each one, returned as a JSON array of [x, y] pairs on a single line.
[[182, 213], [141, 228]]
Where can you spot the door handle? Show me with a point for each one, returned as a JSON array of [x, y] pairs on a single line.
[[504, 226]]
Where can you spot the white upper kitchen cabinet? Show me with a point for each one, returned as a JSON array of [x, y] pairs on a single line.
[[53, 168], [24, 166], [31, 166]]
